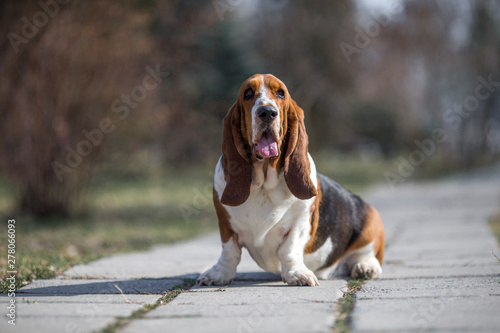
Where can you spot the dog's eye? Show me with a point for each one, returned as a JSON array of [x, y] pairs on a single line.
[[280, 93], [248, 94]]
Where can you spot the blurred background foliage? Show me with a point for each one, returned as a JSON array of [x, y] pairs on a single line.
[[412, 61]]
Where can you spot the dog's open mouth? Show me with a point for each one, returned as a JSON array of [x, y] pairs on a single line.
[[267, 145]]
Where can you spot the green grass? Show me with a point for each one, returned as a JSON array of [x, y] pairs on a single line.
[[345, 306], [121, 322], [135, 210]]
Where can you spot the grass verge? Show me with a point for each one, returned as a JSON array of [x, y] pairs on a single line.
[[140, 313], [353, 172], [495, 226], [345, 306]]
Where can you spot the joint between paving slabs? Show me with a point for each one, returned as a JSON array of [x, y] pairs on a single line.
[[121, 322], [345, 306]]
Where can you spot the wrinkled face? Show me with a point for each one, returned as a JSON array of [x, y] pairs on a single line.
[[264, 99]]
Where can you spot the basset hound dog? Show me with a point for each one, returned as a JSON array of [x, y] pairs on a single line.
[[269, 198]]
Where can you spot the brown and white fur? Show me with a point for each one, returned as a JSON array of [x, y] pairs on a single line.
[[270, 199]]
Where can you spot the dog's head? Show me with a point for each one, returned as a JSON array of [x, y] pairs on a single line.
[[265, 123]]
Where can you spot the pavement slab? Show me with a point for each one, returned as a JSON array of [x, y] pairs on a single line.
[[74, 306], [251, 323], [440, 273], [91, 287], [255, 306], [182, 259], [429, 288], [437, 314]]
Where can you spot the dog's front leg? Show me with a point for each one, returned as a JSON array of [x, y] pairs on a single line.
[[224, 271], [291, 254]]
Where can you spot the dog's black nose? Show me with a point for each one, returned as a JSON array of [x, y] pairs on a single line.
[[267, 113]]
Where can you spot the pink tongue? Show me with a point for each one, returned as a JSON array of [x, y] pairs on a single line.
[[267, 146]]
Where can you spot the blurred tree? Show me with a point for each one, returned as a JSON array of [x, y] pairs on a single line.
[[299, 42], [429, 58], [57, 88], [207, 65], [483, 52], [374, 123]]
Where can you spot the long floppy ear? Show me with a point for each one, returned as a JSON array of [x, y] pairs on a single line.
[[296, 164], [237, 166]]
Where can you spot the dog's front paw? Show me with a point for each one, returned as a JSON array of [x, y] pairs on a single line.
[[217, 276], [366, 270], [301, 276]]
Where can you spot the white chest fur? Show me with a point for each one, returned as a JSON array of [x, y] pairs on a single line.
[[271, 211]]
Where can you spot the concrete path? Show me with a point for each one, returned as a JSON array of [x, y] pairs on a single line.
[[439, 275]]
